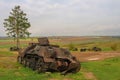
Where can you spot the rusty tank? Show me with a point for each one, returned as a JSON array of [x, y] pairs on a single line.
[[44, 57]]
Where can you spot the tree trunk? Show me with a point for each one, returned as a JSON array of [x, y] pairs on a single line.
[[18, 42]]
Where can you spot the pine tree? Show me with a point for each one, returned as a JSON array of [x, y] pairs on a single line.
[[17, 25]]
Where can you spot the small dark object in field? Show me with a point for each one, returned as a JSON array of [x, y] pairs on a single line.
[[83, 50], [96, 49], [93, 49], [44, 57], [75, 49], [14, 48]]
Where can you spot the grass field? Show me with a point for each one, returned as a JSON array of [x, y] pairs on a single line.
[[105, 43], [108, 69]]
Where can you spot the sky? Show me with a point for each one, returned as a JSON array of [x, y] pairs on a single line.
[[67, 17]]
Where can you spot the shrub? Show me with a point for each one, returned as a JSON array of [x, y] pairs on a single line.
[[114, 47], [72, 47]]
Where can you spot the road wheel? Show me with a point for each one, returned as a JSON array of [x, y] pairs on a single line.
[[32, 64], [40, 65], [28, 63]]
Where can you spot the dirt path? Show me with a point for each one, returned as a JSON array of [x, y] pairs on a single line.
[[89, 76], [93, 56]]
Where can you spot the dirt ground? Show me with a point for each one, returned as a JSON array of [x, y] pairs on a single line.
[[93, 56]]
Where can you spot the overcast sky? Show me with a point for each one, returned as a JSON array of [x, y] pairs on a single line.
[[67, 17]]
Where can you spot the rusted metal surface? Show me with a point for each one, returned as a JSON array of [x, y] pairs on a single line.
[[44, 57]]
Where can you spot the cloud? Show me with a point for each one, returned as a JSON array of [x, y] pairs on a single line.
[[67, 17]]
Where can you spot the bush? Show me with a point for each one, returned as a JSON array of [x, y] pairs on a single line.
[[72, 47], [114, 47]]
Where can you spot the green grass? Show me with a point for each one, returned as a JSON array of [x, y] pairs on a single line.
[[108, 69], [6, 46], [6, 53], [21, 73]]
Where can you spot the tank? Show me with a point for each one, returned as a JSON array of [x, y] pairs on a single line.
[[44, 57], [14, 48]]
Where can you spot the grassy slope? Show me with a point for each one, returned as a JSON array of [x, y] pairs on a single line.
[[108, 69]]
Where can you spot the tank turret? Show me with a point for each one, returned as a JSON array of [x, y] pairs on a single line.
[[43, 41]]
